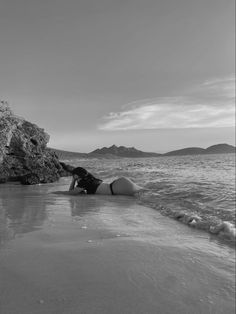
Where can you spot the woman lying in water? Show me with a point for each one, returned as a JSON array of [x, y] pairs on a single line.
[[85, 182]]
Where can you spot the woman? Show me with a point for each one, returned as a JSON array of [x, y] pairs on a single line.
[[87, 183]]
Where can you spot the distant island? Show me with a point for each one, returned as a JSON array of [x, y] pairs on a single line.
[[122, 151], [214, 149], [131, 152]]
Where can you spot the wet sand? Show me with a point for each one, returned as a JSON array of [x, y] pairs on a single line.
[[97, 254]]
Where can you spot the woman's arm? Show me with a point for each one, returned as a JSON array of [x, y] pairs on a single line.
[[75, 190], [72, 185]]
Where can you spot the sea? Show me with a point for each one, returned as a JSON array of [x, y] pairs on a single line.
[[197, 190]]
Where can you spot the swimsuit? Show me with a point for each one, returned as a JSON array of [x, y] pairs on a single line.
[[89, 183]]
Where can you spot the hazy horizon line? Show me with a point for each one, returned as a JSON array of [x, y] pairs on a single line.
[[69, 151]]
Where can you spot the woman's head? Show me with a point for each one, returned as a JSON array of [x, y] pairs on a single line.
[[80, 172]]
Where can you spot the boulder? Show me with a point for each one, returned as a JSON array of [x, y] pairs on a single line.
[[24, 155]]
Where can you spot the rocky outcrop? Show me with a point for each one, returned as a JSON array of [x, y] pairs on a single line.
[[23, 153]]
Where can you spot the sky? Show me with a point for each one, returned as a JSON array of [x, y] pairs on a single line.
[[157, 75]]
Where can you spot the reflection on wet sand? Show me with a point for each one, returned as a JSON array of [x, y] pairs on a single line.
[[24, 209], [87, 205], [20, 212], [81, 207]]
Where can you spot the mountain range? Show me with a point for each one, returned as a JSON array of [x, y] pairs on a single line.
[[131, 152]]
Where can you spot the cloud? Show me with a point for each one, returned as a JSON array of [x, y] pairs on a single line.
[[211, 104], [220, 87]]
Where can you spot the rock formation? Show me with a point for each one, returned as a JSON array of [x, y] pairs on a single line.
[[23, 153]]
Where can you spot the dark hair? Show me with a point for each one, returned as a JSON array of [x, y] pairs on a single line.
[[81, 172]]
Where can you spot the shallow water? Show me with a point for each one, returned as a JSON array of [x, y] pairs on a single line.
[[197, 190]]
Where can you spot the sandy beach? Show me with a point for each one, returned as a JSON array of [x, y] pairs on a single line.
[[90, 254]]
